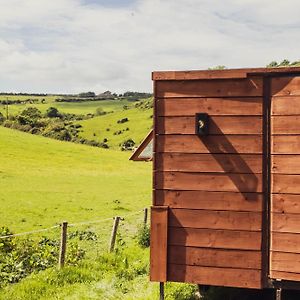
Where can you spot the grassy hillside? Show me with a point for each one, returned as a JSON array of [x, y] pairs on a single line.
[[65, 107], [107, 127], [44, 181]]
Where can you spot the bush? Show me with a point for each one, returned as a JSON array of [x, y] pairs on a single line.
[[52, 112], [21, 257], [29, 116], [124, 120], [2, 119], [128, 145], [100, 111], [143, 236]]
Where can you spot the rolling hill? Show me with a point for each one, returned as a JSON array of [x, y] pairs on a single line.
[[44, 181]]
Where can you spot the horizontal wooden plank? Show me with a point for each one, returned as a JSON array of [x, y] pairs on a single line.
[[232, 220], [210, 200], [285, 222], [289, 184], [217, 74], [286, 164], [217, 125], [212, 238], [286, 144], [285, 203], [212, 106], [208, 182], [243, 278], [286, 105], [285, 262], [285, 242], [285, 86], [158, 244], [285, 124], [211, 144], [214, 257], [285, 276], [248, 87], [223, 163], [202, 74]]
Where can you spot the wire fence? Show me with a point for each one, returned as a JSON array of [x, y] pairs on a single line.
[[145, 210], [93, 236]]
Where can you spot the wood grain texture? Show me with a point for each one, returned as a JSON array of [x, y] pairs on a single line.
[[219, 74], [212, 106], [210, 88], [223, 163], [232, 220], [228, 201], [285, 124], [285, 86], [285, 262], [243, 278], [287, 105], [286, 164], [285, 276], [212, 144], [214, 257], [286, 144], [285, 222], [285, 242], [208, 182], [202, 74], [158, 244], [285, 203], [210, 238], [217, 125], [289, 184]]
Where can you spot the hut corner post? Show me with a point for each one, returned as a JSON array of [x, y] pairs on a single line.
[[158, 246]]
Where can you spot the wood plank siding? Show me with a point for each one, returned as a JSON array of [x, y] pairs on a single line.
[[226, 205], [212, 184], [285, 168]]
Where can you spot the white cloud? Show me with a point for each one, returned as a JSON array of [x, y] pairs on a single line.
[[69, 46]]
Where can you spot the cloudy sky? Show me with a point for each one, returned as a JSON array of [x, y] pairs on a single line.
[[79, 45]]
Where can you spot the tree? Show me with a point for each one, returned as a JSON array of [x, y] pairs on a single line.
[[87, 95], [29, 116], [52, 112]]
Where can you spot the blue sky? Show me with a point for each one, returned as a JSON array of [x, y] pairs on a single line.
[[79, 45]]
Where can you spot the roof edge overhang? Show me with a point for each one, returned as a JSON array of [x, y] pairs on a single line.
[[136, 154], [221, 74]]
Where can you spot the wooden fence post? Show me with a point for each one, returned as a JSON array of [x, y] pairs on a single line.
[[63, 244], [145, 216], [114, 234]]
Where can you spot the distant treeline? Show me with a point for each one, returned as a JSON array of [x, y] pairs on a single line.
[[18, 101]]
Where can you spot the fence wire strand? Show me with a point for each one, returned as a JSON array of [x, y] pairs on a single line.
[[72, 224]]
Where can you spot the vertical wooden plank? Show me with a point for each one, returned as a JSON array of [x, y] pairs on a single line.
[[158, 244]]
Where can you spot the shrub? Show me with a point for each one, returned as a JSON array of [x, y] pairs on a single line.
[[52, 112], [143, 236], [2, 119], [124, 120], [29, 116], [127, 145], [21, 257]]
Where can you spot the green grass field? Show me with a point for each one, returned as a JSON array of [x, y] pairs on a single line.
[[44, 181], [98, 128], [65, 107]]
